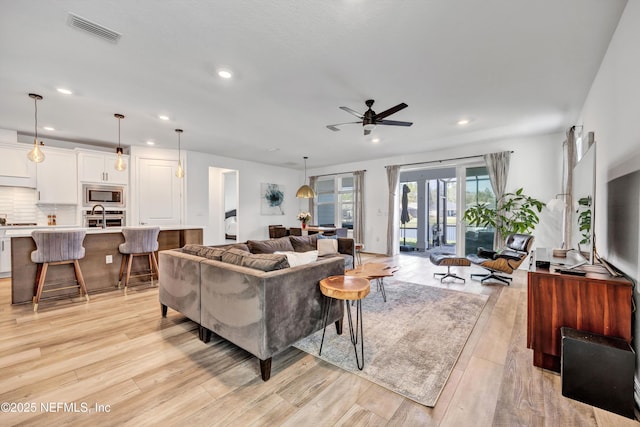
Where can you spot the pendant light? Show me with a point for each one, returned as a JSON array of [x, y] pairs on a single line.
[[180, 170], [120, 163], [305, 192], [36, 155]]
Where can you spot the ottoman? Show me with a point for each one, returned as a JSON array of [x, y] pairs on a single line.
[[448, 260]]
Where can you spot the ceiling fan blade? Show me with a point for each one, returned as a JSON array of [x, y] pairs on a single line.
[[366, 132], [351, 111], [393, 123], [334, 127], [390, 111]]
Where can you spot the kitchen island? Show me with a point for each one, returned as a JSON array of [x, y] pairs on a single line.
[[99, 274]]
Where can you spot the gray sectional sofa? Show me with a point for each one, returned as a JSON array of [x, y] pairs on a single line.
[[249, 295]]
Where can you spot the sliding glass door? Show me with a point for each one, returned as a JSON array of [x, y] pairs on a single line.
[[477, 190]]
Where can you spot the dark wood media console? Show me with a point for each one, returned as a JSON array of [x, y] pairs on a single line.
[[597, 303]]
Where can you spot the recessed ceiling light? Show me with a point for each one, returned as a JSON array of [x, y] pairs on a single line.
[[65, 91], [225, 74], [375, 140], [48, 128], [162, 117], [463, 122], [151, 143]]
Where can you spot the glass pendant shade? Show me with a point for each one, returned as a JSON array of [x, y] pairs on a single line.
[[180, 169], [305, 191], [36, 154], [120, 163]]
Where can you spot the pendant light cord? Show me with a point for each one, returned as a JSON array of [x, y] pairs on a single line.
[[35, 101]]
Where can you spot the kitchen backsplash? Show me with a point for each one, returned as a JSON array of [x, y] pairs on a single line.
[[18, 204]]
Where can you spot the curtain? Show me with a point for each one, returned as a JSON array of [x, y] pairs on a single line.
[[570, 160], [358, 221], [498, 168], [312, 201], [393, 230]]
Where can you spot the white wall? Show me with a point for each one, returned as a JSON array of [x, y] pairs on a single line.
[[535, 165], [251, 224]]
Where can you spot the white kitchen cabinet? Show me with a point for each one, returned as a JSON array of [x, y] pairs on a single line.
[[5, 255], [100, 167], [57, 178], [159, 192], [15, 168]]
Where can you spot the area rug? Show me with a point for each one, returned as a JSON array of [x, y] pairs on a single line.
[[411, 342]]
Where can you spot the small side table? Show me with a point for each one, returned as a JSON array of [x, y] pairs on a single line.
[[346, 288], [374, 270]]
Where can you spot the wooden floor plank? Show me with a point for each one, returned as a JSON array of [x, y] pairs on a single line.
[[117, 351]]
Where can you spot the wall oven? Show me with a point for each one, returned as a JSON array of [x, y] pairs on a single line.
[[109, 196], [112, 218]]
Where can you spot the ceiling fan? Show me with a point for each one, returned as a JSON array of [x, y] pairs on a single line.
[[370, 119]]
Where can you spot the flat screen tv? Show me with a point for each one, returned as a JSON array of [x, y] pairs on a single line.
[[623, 223]]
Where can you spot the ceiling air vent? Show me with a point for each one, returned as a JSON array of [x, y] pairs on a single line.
[[93, 28]]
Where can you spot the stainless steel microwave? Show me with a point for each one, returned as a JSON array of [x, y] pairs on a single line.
[[105, 195]]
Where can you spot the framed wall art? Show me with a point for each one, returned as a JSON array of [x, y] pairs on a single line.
[[272, 199]]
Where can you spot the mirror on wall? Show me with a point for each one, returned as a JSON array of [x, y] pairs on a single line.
[[583, 200]]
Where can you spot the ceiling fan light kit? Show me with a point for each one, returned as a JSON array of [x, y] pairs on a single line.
[[305, 191], [370, 119]]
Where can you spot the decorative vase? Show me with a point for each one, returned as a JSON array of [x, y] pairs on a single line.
[[304, 225]]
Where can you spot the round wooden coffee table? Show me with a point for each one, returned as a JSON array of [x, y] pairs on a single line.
[[347, 288]]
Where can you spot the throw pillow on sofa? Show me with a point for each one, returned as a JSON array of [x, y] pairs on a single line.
[[204, 251], [234, 256], [282, 244], [300, 258], [327, 247], [304, 243], [265, 262]]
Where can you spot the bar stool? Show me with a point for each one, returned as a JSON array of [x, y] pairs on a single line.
[[57, 248], [138, 241]]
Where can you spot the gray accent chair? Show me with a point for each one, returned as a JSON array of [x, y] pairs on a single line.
[[54, 247], [139, 241]]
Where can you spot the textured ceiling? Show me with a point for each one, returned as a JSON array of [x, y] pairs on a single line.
[[514, 67]]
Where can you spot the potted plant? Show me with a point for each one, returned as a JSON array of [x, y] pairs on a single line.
[[514, 213], [304, 217]]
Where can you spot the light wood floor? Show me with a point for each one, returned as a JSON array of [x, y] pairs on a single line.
[[118, 353]]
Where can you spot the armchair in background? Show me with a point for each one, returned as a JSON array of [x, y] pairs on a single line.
[[506, 260]]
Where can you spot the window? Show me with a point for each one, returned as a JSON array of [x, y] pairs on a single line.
[[335, 202]]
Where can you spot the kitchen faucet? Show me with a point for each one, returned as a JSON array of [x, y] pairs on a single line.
[[104, 219]]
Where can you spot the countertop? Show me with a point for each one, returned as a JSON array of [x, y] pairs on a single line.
[[22, 231]]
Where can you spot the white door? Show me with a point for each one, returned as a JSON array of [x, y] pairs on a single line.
[[160, 195]]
